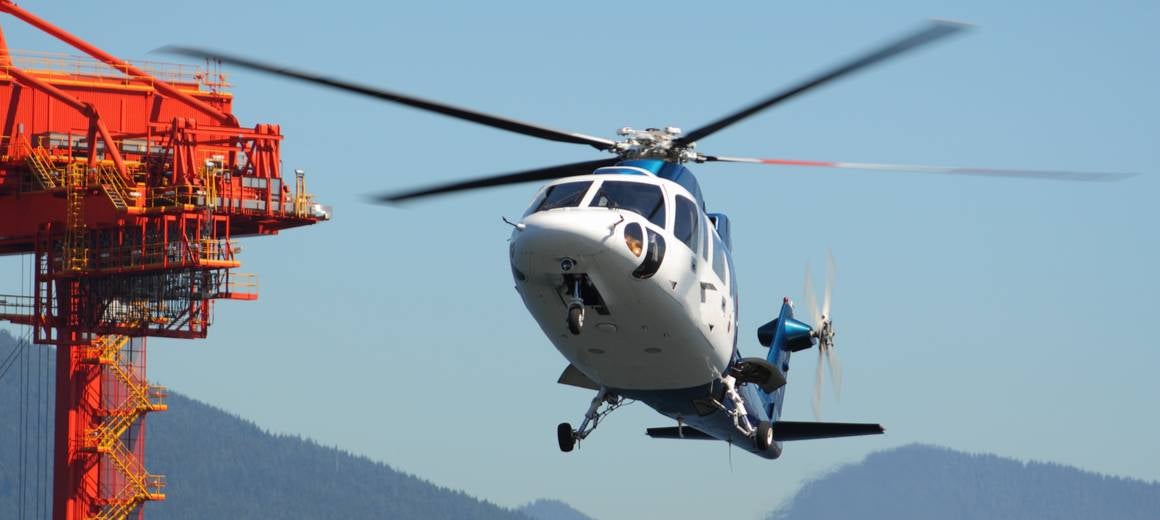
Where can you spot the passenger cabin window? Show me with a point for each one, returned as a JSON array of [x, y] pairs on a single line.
[[720, 264], [566, 195], [646, 200], [705, 225], [685, 223]]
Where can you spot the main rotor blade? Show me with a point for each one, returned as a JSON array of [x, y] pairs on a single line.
[[933, 31], [539, 174], [502, 123], [946, 170]]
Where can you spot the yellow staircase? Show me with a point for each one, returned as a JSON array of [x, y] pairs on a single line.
[[40, 162], [114, 186], [141, 398]]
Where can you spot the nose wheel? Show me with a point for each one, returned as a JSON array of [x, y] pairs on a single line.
[[576, 308], [575, 319]]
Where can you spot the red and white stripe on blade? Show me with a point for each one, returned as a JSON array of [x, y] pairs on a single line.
[[942, 170]]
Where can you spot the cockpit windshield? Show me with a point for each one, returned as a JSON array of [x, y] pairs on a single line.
[[643, 199], [564, 195]]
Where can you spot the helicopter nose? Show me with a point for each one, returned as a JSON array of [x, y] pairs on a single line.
[[557, 234]]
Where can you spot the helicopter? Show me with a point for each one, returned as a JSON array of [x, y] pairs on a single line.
[[631, 278]]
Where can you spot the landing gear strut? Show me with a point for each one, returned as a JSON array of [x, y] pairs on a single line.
[[762, 433], [737, 411], [568, 437]]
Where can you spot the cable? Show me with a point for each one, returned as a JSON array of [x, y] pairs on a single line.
[[49, 442], [7, 363], [23, 471], [39, 431], [46, 387], [28, 441]]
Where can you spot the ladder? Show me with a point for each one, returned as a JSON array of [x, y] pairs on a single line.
[[76, 256]]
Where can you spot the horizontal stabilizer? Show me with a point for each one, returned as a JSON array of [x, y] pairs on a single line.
[[572, 376], [672, 432], [800, 431]]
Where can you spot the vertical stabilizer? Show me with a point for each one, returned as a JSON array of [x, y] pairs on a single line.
[[784, 335]]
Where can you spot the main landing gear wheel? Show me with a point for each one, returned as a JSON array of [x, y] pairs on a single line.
[[569, 437], [764, 435], [566, 437], [575, 320]]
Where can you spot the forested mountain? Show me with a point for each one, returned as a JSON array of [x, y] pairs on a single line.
[[25, 422], [552, 510], [923, 482], [221, 466]]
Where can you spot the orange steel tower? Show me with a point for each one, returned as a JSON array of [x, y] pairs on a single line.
[[128, 185]]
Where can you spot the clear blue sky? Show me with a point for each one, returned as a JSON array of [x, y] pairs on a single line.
[[1002, 316]]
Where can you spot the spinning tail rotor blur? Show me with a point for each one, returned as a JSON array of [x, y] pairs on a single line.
[[823, 331]]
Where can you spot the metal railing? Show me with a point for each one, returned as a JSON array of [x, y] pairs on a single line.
[[172, 254], [60, 63], [176, 196], [241, 283], [18, 307]]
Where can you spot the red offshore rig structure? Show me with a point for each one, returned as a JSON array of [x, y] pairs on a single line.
[[127, 183]]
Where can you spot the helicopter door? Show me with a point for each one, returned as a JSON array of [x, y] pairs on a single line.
[[721, 270], [712, 289]]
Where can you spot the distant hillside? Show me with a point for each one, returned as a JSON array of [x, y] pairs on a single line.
[[552, 510], [923, 482], [22, 386], [221, 466]]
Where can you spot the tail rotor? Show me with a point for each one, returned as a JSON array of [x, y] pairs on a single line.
[[823, 331]]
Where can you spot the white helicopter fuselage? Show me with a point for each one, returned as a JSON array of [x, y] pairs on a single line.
[[661, 326]]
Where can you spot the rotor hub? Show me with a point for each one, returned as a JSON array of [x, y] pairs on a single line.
[[654, 143], [825, 333]]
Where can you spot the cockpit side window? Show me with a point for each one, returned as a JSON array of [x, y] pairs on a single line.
[[646, 200], [685, 221], [565, 195]]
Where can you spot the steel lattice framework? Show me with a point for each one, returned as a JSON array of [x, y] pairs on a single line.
[[128, 184]]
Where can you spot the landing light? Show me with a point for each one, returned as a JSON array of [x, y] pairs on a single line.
[[634, 238]]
